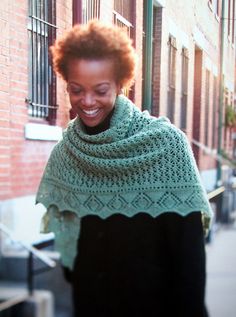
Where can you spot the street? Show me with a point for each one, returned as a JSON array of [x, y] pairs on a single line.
[[221, 273]]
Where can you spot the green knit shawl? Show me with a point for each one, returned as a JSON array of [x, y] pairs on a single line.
[[140, 164]]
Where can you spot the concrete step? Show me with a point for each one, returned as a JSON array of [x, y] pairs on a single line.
[[12, 294], [39, 304]]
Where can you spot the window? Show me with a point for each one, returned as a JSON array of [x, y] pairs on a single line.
[[123, 23], [184, 89], [90, 10], [214, 114], [125, 9], [207, 104], [214, 6], [42, 80], [229, 16], [226, 104], [123, 17], [233, 22], [171, 78]]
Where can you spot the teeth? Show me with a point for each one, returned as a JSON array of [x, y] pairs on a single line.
[[91, 112]]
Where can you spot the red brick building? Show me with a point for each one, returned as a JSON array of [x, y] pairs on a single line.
[[34, 106], [186, 54], [193, 75]]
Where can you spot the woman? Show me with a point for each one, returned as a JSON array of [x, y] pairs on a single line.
[[122, 190]]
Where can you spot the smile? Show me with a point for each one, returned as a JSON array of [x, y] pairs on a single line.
[[91, 112]]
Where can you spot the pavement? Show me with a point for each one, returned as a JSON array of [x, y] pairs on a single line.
[[221, 272]]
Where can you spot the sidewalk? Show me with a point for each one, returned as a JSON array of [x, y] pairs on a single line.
[[221, 273]]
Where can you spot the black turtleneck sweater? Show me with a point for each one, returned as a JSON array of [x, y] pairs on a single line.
[[139, 266]]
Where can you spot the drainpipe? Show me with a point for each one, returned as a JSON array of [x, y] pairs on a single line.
[[221, 97], [147, 85]]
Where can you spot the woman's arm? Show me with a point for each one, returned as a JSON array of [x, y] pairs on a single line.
[[186, 245]]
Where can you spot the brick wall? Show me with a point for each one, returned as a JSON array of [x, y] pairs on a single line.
[[186, 21], [4, 97], [13, 17], [22, 161], [64, 22]]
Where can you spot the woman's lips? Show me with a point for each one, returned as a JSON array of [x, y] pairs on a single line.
[[91, 113]]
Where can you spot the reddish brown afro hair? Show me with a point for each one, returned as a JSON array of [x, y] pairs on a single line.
[[96, 40]]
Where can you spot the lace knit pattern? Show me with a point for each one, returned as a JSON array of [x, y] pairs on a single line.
[[140, 164]]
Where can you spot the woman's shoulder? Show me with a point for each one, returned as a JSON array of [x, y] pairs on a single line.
[[163, 125]]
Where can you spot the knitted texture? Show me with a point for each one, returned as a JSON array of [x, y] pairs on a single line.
[[140, 164]]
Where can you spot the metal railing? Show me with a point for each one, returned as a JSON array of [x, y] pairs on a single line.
[[33, 252]]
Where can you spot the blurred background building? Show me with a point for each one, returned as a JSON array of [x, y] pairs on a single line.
[[186, 72]]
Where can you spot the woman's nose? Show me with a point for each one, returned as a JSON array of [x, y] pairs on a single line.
[[88, 100]]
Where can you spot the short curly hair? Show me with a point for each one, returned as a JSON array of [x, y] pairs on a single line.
[[96, 40]]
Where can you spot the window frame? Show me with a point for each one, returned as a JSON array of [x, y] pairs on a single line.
[[41, 101], [90, 9], [184, 88], [120, 18], [214, 112], [172, 54], [207, 105]]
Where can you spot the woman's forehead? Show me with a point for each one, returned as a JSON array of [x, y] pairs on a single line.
[[91, 70]]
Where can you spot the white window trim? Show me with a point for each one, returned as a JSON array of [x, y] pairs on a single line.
[[36, 131]]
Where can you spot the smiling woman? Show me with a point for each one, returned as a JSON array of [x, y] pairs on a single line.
[[92, 89], [122, 190]]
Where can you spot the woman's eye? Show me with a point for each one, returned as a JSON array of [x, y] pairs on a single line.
[[101, 92], [76, 92]]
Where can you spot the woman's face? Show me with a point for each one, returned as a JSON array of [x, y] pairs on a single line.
[[92, 89]]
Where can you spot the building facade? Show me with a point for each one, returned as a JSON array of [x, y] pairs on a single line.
[[186, 72], [193, 58], [34, 107]]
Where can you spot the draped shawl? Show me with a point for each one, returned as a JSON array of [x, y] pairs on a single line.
[[140, 164]]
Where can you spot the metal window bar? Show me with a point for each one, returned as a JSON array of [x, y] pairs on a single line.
[[90, 10], [122, 22], [42, 32]]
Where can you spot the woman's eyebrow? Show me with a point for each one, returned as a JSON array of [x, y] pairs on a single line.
[[101, 84], [74, 84]]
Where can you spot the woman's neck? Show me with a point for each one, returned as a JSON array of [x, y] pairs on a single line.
[[101, 127]]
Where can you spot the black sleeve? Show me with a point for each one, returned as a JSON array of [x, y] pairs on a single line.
[[186, 245]]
